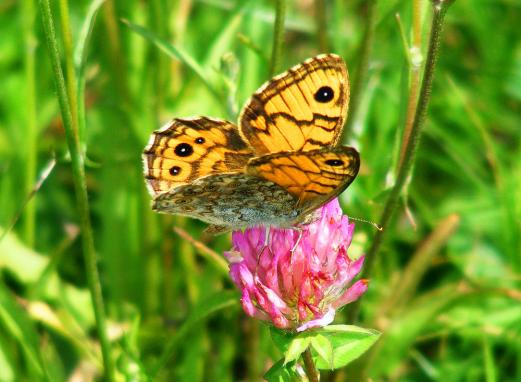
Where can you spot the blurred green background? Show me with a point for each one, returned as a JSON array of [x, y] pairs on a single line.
[[445, 290]]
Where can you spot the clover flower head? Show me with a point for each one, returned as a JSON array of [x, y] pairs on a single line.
[[298, 278]]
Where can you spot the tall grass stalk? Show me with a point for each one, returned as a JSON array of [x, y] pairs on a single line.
[[439, 8], [79, 65], [199, 314], [418, 265], [415, 61], [158, 63], [360, 77], [278, 36], [114, 49], [78, 172], [31, 128], [322, 25], [70, 79]]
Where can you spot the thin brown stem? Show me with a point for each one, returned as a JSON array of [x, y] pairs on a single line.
[[416, 22], [419, 263], [209, 253], [309, 366]]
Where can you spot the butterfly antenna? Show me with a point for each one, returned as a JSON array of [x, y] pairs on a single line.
[[375, 225]]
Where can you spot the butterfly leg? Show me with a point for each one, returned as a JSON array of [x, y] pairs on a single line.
[[300, 231], [265, 246], [267, 236]]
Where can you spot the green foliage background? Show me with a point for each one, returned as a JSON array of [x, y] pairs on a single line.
[[445, 290]]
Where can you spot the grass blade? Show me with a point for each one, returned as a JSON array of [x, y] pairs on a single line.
[[201, 312], [179, 54], [78, 172]]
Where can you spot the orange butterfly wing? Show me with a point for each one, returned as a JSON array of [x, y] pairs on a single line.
[[278, 166], [312, 177], [301, 109], [187, 149]]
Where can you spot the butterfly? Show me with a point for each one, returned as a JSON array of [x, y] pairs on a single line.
[[276, 167]]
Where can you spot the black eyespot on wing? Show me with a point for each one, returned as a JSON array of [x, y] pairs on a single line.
[[199, 140], [175, 170], [324, 94], [183, 150], [334, 162]]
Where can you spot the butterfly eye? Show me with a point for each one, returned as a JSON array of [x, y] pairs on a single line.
[[174, 170], [183, 150], [324, 94], [334, 162]]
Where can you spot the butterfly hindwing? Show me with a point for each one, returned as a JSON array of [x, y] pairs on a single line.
[[301, 109], [312, 177], [187, 149], [234, 200]]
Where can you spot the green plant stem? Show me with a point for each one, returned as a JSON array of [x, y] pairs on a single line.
[[78, 172], [309, 366], [254, 356], [278, 36], [32, 128], [362, 69], [115, 50], [439, 10], [321, 25], [414, 77], [79, 65], [158, 63], [200, 313], [69, 63]]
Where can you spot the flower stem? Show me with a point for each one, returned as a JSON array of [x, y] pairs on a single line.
[[309, 366], [362, 69], [278, 36], [439, 10], [78, 172], [254, 359]]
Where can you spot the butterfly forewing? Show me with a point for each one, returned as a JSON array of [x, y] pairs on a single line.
[[301, 109], [187, 149]]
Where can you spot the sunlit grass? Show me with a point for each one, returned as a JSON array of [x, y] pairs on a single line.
[[445, 288]]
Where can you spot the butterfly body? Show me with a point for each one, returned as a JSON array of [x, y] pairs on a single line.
[[279, 165]]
